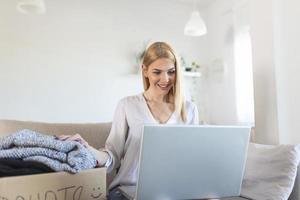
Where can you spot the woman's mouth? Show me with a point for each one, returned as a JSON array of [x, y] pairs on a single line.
[[163, 86]]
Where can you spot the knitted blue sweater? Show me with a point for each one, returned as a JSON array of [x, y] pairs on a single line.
[[59, 155]]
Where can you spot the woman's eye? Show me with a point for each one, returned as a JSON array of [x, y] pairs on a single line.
[[171, 72], [157, 73]]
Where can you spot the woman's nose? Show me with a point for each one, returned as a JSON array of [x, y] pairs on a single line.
[[165, 77]]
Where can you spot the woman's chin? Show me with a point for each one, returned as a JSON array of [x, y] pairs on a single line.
[[163, 91]]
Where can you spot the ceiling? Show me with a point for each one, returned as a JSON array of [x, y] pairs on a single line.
[[199, 3]]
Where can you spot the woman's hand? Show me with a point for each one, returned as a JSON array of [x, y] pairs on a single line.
[[75, 137], [101, 156]]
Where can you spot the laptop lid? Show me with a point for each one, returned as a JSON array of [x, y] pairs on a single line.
[[191, 162]]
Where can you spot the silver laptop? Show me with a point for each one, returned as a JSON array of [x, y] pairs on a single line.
[[190, 162]]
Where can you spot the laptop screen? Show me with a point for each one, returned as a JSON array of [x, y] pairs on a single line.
[[191, 162]]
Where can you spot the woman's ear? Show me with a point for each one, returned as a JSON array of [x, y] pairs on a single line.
[[144, 70]]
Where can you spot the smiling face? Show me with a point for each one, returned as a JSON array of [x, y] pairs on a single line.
[[161, 75], [96, 194]]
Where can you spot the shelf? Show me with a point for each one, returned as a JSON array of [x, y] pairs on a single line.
[[191, 74]]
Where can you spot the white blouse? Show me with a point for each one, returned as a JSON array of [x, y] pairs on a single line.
[[123, 142]]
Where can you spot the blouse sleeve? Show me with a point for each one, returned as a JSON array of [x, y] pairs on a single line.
[[115, 142]]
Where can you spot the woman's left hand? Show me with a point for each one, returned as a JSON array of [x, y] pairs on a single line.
[[75, 137]]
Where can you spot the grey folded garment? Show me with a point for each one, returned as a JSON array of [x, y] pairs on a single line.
[[59, 155]]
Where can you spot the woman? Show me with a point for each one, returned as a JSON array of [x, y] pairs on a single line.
[[162, 102]]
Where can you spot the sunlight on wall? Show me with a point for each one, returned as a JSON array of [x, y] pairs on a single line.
[[244, 76]]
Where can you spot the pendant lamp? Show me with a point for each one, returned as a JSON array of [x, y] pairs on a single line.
[[195, 25], [31, 6]]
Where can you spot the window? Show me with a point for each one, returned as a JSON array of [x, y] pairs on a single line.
[[244, 76]]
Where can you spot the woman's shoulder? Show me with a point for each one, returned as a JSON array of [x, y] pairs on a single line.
[[189, 105], [191, 112], [132, 99]]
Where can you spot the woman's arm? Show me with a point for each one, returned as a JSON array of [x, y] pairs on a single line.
[[111, 155], [115, 143], [102, 157]]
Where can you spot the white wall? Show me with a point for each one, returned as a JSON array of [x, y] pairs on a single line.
[[287, 63], [266, 118], [225, 18], [216, 83], [276, 41], [75, 62], [275, 33]]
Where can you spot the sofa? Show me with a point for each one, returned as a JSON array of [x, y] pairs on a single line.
[[95, 134]]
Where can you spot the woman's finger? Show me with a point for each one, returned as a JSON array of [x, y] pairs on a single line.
[[77, 138], [63, 137]]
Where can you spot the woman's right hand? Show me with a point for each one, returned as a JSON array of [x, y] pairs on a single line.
[[75, 137], [101, 156]]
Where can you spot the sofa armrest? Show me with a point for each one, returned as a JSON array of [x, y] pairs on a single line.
[[295, 195]]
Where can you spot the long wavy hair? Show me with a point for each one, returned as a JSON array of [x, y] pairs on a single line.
[[160, 50]]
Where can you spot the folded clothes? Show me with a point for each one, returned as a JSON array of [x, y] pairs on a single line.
[[59, 155], [16, 167]]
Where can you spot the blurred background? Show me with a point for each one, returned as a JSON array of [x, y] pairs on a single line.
[[73, 60]]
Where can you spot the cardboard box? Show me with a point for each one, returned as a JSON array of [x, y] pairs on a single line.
[[85, 185]]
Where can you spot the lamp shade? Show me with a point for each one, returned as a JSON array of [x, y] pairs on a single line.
[[195, 26], [31, 6]]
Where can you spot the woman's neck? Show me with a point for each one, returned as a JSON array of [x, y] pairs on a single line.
[[152, 96]]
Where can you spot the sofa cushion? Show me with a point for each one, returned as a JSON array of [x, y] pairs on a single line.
[[296, 190], [270, 171]]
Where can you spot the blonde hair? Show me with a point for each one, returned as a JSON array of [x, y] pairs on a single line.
[[159, 50]]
